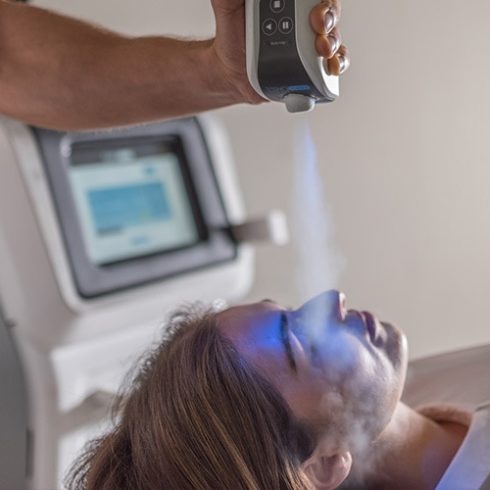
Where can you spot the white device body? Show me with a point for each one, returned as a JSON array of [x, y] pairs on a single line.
[[283, 55], [75, 352]]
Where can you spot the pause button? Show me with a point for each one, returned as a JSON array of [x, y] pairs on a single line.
[[286, 25]]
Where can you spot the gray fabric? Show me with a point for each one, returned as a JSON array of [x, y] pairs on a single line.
[[13, 415], [460, 379], [471, 465]]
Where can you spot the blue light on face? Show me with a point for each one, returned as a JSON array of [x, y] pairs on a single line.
[[265, 338], [318, 321]]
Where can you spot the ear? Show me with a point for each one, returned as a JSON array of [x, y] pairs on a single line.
[[327, 471]]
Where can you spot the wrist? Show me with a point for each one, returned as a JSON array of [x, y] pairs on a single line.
[[232, 84]]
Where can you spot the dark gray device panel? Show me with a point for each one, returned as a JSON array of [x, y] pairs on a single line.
[[184, 139], [280, 70]]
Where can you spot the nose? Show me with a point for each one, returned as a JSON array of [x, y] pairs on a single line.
[[328, 305]]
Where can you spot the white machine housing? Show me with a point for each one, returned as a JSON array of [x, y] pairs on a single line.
[[282, 62], [75, 351]]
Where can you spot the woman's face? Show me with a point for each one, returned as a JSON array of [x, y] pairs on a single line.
[[341, 370]]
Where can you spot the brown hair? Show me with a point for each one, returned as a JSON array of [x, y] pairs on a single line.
[[198, 417]]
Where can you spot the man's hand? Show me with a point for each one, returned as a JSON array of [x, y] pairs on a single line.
[[63, 73], [229, 43]]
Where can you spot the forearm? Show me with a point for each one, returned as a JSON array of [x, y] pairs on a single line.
[[65, 74]]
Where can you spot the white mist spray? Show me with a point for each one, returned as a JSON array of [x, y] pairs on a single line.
[[318, 265], [318, 268]]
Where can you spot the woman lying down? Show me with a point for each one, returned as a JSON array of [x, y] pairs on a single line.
[[259, 397]]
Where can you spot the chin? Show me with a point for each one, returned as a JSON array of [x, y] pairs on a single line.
[[396, 349], [400, 364], [397, 353]]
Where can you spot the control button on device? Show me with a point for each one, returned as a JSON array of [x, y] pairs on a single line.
[[277, 6], [286, 25], [269, 27]]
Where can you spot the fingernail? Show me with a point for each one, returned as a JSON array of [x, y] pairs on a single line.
[[344, 63], [334, 44], [326, 67], [329, 20]]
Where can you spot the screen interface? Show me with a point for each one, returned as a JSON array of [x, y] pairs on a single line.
[[131, 201]]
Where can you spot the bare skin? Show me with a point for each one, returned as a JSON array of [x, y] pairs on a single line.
[[65, 74], [348, 381], [413, 452]]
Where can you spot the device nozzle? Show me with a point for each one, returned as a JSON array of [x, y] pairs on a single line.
[[299, 103]]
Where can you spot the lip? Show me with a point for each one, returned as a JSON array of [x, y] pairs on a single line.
[[371, 325]]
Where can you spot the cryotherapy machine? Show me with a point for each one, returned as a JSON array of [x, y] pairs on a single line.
[[100, 235]]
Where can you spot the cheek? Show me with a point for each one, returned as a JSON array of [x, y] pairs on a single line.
[[354, 367], [344, 356], [359, 393], [350, 381]]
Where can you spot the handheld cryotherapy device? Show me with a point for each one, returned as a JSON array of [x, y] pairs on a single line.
[[282, 62]]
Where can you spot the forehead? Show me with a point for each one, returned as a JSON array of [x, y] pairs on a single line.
[[255, 330], [254, 326]]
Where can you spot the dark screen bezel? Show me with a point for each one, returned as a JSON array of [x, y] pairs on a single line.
[[215, 245]]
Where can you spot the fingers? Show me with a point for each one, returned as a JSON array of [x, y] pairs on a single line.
[[327, 45], [339, 63], [324, 18]]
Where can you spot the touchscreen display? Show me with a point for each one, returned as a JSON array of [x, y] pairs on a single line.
[[131, 201]]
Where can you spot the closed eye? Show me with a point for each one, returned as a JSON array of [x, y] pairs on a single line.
[[308, 345], [286, 341]]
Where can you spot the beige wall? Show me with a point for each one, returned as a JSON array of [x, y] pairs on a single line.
[[405, 157]]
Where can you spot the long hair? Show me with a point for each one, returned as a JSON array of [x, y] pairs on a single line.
[[198, 417]]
